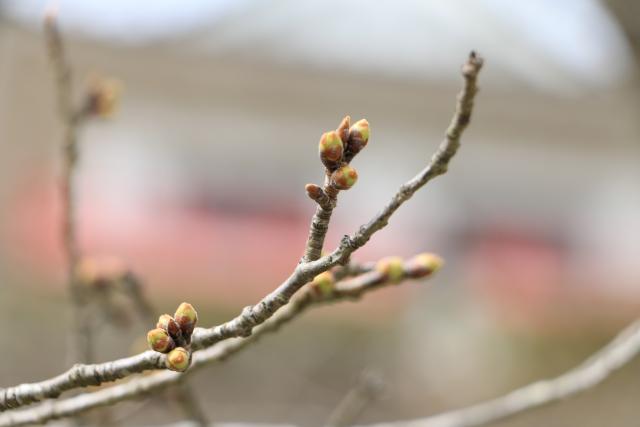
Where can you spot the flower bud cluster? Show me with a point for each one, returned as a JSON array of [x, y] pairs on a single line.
[[172, 335], [338, 147]]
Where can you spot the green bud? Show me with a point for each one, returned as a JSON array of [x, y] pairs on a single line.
[[358, 139], [186, 316], [424, 264], [344, 178], [392, 268], [169, 324], [323, 283], [178, 359], [360, 131], [331, 149], [159, 340]]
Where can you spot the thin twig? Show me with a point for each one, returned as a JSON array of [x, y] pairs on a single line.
[[252, 316], [597, 368], [353, 404], [613, 356], [82, 337], [348, 290], [320, 221]]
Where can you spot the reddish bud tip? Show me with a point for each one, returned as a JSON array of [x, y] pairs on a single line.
[[392, 268], [344, 178], [169, 324], [314, 191], [323, 283], [178, 359], [343, 129], [159, 340]]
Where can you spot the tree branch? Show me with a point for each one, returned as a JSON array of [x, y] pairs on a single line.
[[597, 368], [82, 345], [367, 389], [252, 316], [617, 353], [350, 289]]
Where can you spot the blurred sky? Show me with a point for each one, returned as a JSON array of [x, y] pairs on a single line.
[[550, 44]]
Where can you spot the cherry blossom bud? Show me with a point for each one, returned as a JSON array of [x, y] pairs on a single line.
[[424, 264], [344, 178], [323, 283], [331, 149], [358, 138], [343, 129], [169, 324], [187, 317], [159, 340], [392, 268], [178, 359]]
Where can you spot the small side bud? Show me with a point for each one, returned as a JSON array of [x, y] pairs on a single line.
[[331, 149], [169, 324], [343, 129], [103, 97], [160, 341], [314, 191], [424, 264], [187, 317], [344, 178], [392, 268], [323, 283], [178, 359]]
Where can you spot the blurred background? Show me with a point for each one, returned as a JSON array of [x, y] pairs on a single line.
[[197, 183]]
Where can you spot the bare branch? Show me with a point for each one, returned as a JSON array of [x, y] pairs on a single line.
[[348, 290], [366, 390], [243, 325], [617, 353]]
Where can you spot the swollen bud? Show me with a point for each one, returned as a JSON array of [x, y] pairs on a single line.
[[358, 138], [323, 283], [424, 264], [343, 129], [178, 359], [392, 268], [344, 178], [331, 149], [169, 324], [186, 316], [360, 131], [160, 341], [103, 97]]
